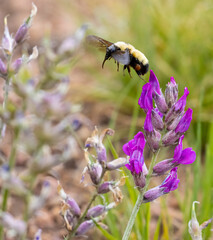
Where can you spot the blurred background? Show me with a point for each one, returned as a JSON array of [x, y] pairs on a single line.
[[177, 38]]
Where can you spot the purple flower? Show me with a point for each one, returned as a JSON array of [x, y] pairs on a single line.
[[171, 182], [185, 121], [145, 100], [178, 108], [181, 103], [168, 185], [154, 83], [134, 148], [152, 136], [186, 156]]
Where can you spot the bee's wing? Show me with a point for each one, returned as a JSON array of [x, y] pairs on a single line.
[[98, 42], [122, 57]]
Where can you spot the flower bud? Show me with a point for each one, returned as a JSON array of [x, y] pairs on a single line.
[[69, 218], [153, 139], [101, 155], [105, 187], [163, 166], [74, 208], [170, 138], [3, 68], [173, 124], [84, 227], [171, 93], [21, 33], [95, 171], [160, 102], [157, 121], [16, 65], [152, 194], [96, 211], [178, 108], [140, 180], [117, 163], [194, 226]]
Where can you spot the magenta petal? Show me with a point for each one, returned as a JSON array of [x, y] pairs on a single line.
[[145, 100], [188, 156], [171, 181], [178, 149], [148, 122], [155, 83], [126, 148], [181, 103], [185, 121]]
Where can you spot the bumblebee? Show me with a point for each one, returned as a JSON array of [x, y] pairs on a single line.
[[123, 53]]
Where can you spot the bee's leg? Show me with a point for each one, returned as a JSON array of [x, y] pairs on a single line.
[[107, 56], [124, 70], [117, 66], [129, 71]]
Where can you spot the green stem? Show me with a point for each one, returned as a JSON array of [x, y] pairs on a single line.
[[140, 198]]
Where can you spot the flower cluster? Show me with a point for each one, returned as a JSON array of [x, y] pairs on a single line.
[[9, 44], [78, 223], [41, 122], [165, 125]]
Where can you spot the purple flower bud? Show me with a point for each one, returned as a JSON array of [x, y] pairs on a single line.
[[153, 139], [105, 187], [145, 101], [117, 163], [139, 179], [3, 68], [170, 138], [168, 185], [163, 166], [84, 227], [178, 108], [96, 211], [172, 125], [185, 121], [95, 171], [171, 92], [74, 208], [157, 121], [16, 65], [101, 155], [160, 102], [21, 33]]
